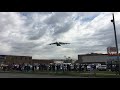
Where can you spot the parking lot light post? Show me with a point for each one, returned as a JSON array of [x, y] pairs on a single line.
[[113, 21]]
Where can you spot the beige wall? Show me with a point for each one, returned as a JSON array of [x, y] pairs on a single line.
[[18, 59], [101, 58]]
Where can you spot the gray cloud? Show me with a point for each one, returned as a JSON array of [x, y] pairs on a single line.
[[66, 27], [58, 17], [29, 33], [36, 33]]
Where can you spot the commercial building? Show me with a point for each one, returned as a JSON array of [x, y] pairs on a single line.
[[42, 61], [96, 58], [92, 58], [10, 59], [46, 61]]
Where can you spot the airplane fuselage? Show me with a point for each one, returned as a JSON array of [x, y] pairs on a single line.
[[58, 44]]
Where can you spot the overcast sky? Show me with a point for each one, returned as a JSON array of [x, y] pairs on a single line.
[[29, 33]]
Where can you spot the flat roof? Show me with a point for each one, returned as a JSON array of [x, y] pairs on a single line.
[[92, 54], [16, 55]]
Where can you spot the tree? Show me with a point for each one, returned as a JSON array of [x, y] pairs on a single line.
[[68, 60]]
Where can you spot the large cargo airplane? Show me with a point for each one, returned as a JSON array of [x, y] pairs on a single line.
[[58, 43]]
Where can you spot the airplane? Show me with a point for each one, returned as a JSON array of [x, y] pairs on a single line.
[[58, 43]]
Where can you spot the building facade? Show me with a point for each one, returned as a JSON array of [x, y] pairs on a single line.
[[96, 58], [14, 59], [92, 58], [42, 61], [10, 59], [46, 61]]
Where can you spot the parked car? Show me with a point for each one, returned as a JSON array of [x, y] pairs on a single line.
[[102, 68], [88, 68]]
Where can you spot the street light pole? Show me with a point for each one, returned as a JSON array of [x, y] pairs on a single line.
[[113, 20]]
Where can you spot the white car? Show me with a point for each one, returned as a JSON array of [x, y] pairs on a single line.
[[88, 67], [72, 67], [102, 67]]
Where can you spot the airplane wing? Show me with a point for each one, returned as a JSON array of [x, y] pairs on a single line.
[[63, 43], [52, 43]]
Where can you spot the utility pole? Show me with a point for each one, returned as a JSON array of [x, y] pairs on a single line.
[[113, 21]]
